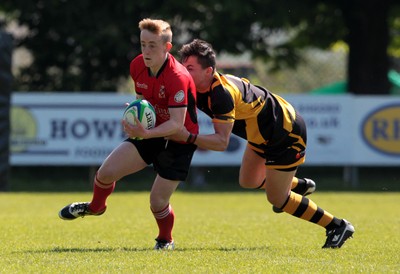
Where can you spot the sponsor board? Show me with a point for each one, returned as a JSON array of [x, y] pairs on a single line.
[[380, 129], [328, 127], [377, 131], [83, 128]]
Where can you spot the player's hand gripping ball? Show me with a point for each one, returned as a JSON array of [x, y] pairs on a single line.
[[143, 110]]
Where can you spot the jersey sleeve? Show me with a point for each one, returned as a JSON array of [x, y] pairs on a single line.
[[178, 91], [222, 105]]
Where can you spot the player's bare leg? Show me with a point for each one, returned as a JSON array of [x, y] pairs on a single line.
[[123, 160], [162, 210], [252, 175], [278, 185], [252, 170]]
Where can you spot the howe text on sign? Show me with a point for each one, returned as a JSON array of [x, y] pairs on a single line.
[[82, 128]]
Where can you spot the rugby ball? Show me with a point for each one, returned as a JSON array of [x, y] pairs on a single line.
[[143, 110]]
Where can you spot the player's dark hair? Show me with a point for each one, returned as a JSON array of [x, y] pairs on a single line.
[[202, 50]]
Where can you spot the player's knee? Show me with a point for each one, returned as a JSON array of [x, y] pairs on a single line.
[[157, 203], [246, 184], [252, 184], [105, 176]]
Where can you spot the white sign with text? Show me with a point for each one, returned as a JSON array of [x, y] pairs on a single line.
[[83, 128]]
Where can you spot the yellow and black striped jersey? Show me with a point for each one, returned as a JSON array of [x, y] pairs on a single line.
[[259, 116]]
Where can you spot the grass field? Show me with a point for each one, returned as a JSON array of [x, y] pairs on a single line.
[[227, 232]]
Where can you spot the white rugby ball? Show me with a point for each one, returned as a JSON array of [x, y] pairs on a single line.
[[143, 110]]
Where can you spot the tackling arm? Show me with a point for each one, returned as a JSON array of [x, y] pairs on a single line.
[[217, 141]]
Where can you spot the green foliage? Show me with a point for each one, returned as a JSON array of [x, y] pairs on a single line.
[[78, 45], [214, 233], [87, 45]]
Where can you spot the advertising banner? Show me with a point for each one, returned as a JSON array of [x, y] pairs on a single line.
[[65, 129], [377, 131], [83, 128], [329, 127]]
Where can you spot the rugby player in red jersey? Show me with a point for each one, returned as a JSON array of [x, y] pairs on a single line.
[[167, 85]]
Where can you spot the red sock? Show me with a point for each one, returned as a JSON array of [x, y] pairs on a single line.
[[101, 191], [165, 221]]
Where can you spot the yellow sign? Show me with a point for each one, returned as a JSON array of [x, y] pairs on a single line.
[[381, 129]]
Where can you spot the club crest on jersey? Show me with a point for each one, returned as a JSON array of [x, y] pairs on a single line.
[[161, 93], [179, 96]]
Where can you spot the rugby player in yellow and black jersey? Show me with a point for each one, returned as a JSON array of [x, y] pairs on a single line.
[[275, 132]]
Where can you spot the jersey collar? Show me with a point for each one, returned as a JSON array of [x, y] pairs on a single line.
[[161, 68]]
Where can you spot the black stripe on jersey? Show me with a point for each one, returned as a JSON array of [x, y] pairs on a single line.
[[250, 93], [301, 208], [180, 106], [264, 121], [160, 70], [239, 129], [192, 107], [221, 100], [317, 215], [202, 103], [223, 117]]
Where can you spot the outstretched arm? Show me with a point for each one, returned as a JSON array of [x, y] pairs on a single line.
[[217, 141]]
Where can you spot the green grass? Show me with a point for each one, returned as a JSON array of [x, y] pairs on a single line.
[[214, 233]]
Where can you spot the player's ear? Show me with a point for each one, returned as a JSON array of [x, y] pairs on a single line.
[[168, 46], [210, 70]]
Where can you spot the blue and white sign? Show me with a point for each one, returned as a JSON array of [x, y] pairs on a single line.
[[83, 128]]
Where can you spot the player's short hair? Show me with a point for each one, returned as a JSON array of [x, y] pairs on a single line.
[[157, 26], [202, 50]]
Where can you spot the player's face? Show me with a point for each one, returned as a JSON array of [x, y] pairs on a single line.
[[202, 77], [154, 50]]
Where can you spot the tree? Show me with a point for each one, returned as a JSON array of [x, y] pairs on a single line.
[[76, 45], [363, 25], [368, 40], [87, 45]]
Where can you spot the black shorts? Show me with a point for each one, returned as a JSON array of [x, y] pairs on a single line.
[[170, 160], [287, 151]]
